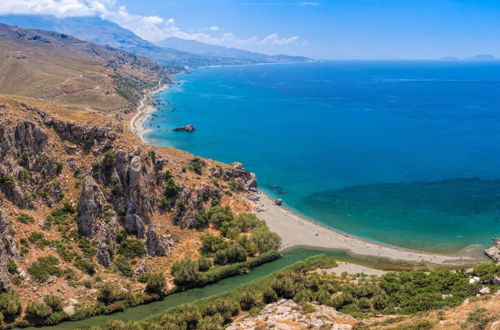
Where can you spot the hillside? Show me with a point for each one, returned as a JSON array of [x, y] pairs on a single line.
[[240, 55], [57, 67], [91, 218], [94, 29]]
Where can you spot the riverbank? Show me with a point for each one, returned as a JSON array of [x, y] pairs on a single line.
[[144, 111], [296, 231]]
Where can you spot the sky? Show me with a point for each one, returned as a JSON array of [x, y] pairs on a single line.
[[324, 29]]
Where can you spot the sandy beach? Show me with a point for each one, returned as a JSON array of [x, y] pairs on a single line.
[[144, 110], [296, 230]]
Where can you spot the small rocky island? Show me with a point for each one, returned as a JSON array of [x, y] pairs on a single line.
[[187, 128]]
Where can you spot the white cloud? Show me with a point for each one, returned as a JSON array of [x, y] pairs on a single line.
[[274, 39], [152, 28]]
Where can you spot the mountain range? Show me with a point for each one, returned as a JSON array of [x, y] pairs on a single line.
[[169, 52]]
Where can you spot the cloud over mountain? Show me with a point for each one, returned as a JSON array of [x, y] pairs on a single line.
[[152, 28]]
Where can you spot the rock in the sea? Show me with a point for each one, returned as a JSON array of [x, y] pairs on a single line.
[[187, 128], [286, 314], [278, 202], [494, 251]]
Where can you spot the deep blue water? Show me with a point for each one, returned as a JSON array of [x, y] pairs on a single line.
[[406, 153]]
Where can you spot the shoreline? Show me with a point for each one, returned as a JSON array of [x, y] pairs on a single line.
[[144, 111], [299, 231]]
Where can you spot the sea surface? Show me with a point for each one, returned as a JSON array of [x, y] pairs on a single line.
[[401, 152]]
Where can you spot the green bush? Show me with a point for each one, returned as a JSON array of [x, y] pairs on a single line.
[[10, 306], [85, 266], [132, 248], [204, 264], [26, 219], [265, 240], [211, 244], [44, 267], [155, 283], [55, 302], [171, 190], [11, 266], [37, 313]]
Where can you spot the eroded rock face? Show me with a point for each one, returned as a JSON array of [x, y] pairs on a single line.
[[26, 165], [246, 180], [190, 202], [90, 207], [158, 246], [8, 251], [494, 251], [287, 315]]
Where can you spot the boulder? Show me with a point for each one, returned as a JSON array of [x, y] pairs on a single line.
[[186, 128], [494, 251]]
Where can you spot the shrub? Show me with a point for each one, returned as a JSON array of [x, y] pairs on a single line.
[[171, 190], [231, 254], [37, 312], [44, 267], [155, 283], [204, 264], [478, 319], [269, 296], [11, 266], [247, 300], [265, 240], [197, 165], [26, 219], [186, 273], [59, 167], [122, 265], [211, 243], [55, 302], [248, 221], [132, 248], [85, 266], [10, 306]]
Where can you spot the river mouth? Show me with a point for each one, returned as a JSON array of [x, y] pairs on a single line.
[[289, 257]]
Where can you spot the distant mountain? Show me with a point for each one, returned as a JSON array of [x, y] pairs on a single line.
[[244, 56], [95, 29], [449, 58], [482, 57]]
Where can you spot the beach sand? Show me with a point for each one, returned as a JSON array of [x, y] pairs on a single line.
[[296, 231], [144, 111]]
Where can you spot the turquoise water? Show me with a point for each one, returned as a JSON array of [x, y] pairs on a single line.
[[406, 153]]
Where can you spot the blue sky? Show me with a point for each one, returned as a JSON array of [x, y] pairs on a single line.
[[321, 29]]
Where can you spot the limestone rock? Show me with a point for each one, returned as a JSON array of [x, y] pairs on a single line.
[[286, 314], [159, 246], [494, 251], [8, 251], [90, 207], [186, 128]]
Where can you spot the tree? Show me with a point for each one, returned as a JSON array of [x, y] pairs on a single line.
[[37, 312], [265, 239], [156, 282], [55, 302]]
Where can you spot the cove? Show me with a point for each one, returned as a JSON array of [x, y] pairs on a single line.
[[399, 152], [289, 257]]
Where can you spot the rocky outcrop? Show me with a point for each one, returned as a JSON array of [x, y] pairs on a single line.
[[190, 202], [106, 240], [90, 207], [494, 251], [158, 246], [186, 128], [288, 315], [26, 165], [8, 251], [247, 181], [85, 136]]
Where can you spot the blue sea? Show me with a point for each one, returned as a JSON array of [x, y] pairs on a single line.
[[401, 152]]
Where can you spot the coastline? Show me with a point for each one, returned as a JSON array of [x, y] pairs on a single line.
[[299, 231], [144, 111]]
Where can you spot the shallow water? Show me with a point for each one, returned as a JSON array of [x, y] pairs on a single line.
[[406, 153]]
